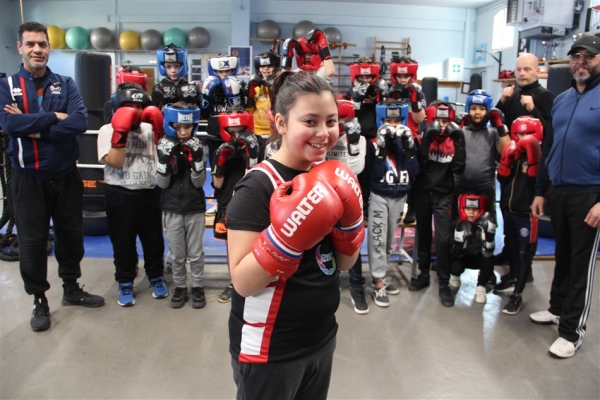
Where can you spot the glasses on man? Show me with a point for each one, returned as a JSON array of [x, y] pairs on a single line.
[[585, 56]]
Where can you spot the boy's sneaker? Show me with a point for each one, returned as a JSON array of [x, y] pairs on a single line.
[[40, 318], [180, 297], [454, 282], [76, 296], [226, 294], [390, 288], [562, 348], [198, 299], [446, 296], [212, 210], [544, 318], [421, 282], [159, 288], [480, 294], [125, 298], [380, 297], [359, 299], [514, 305], [505, 285]]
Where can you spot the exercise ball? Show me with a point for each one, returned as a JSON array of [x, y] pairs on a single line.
[[302, 28], [151, 39], [175, 36], [102, 38], [56, 37], [129, 40], [333, 35], [268, 29], [199, 38], [77, 38]]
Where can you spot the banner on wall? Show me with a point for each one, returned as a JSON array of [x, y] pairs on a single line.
[[479, 53]]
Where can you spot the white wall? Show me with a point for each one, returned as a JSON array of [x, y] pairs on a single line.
[[9, 26]]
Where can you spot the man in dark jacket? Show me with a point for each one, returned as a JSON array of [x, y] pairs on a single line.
[[569, 168], [43, 113]]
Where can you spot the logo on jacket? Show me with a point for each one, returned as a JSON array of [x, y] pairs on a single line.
[[326, 262], [55, 88], [17, 92]]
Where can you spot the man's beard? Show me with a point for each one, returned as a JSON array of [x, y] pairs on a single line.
[[592, 73]]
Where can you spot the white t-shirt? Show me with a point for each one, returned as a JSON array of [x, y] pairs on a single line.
[[139, 169]]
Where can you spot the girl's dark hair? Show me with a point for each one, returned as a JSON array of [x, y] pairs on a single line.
[[288, 86]]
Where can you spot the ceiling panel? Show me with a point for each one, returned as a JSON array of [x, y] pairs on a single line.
[[430, 3]]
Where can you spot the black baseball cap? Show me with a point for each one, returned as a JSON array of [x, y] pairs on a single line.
[[590, 43]]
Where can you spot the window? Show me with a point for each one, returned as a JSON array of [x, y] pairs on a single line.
[[503, 35]]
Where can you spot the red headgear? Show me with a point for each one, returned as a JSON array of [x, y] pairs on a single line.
[[403, 68], [132, 74], [314, 62], [471, 201], [345, 109], [527, 125], [235, 119], [364, 69], [441, 111]]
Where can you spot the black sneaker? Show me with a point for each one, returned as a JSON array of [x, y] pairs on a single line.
[[198, 299], [225, 295], [180, 297], [76, 296], [505, 286], [446, 296], [40, 318], [421, 282], [409, 217], [359, 299], [514, 305]]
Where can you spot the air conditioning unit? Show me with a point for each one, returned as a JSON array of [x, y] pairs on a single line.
[[527, 14]]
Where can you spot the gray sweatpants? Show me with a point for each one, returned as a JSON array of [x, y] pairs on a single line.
[[383, 220], [185, 234]]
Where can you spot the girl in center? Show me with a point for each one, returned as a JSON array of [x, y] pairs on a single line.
[[292, 227]]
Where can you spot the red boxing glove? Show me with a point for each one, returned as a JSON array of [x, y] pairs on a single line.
[[531, 147], [509, 156], [124, 120], [222, 155], [303, 211], [497, 120], [154, 117], [350, 233], [318, 37]]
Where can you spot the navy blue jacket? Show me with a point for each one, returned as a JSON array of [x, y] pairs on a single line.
[[571, 149], [53, 154], [391, 175]]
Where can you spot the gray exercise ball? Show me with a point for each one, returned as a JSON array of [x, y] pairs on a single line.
[[302, 28], [102, 38], [268, 29], [198, 38], [333, 35], [151, 39]]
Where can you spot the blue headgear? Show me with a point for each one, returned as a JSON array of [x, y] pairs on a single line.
[[392, 110], [182, 115], [173, 54], [479, 96], [222, 63]]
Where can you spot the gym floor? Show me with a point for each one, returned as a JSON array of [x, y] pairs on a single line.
[[415, 349]]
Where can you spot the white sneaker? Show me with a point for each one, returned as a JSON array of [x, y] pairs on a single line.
[[212, 210], [544, 318], [562, 348], [480, 294], [454, 282]]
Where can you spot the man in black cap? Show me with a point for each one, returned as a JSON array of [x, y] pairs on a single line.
[[569, 176]]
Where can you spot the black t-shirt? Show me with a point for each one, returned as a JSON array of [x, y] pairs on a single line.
[[289, 319]]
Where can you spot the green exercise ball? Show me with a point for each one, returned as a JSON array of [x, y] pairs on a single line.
[[175, 36], [77, 38]]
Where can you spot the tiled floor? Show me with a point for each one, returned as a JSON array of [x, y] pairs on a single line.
[[415, 349]]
